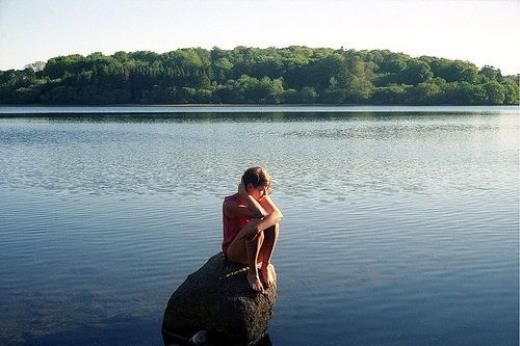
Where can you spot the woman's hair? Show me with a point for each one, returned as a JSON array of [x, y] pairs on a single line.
[[257, 176]]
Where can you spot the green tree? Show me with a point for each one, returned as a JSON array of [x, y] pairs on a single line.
[[510, 91], [464, 93], [359, 90], [307, 95], [454, 70], [416, 72], [333, 96], [426, 93], [391, 95], [295, 74], [489, 73], [495, 92]]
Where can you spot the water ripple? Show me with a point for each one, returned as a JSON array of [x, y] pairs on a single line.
[[397, 230]]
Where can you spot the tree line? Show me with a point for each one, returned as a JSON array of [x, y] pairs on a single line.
[[246, 75]]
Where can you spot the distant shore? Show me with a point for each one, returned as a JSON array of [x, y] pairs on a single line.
[[249, 75], [169, 110], [303, 105]]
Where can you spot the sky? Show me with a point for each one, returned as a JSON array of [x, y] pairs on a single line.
[[485, 32]]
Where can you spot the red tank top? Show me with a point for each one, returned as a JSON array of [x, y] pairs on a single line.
[[232, 225]]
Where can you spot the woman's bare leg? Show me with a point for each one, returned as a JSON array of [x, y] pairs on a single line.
[[248, 252], [253, 249], [266, 251]]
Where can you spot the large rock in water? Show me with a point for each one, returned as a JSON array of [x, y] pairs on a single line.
[[217, 298]]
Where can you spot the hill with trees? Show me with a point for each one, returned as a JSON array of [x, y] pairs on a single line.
[[245, 75]]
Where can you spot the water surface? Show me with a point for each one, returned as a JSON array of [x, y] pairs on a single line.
[[399, 229]]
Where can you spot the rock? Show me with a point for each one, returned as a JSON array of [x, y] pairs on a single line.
[[217, 298]]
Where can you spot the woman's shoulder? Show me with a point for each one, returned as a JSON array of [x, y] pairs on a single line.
[[231, 198]]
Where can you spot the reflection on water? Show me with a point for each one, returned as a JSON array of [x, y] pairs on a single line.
[[203, 337], [398, 229], [201, 110]]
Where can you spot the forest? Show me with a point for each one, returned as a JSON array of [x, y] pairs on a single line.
[[247, 75]]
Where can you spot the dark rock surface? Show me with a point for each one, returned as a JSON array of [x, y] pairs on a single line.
[[217, 298]]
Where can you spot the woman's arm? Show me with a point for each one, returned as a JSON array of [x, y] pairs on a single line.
[[269, 206], [253, 209], [274, 215], [259, 225], [252, 204], [233, 209]]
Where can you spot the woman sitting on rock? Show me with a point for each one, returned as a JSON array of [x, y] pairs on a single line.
[[251, 227]]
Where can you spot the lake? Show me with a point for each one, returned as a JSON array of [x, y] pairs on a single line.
[[400, 228]]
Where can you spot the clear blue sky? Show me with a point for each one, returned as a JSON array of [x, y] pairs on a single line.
[[484, 32]]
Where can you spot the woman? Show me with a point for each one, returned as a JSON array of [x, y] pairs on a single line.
[[251, 227]]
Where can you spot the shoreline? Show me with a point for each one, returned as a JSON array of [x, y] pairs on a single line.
[[248, 105], [9, 111]]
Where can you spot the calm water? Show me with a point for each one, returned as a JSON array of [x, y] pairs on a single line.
[[399, 229]]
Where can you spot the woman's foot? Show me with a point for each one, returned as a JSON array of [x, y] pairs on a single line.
[[267, 276], [254, 282]]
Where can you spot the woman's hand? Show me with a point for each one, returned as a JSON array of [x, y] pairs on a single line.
[[253, 205]]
